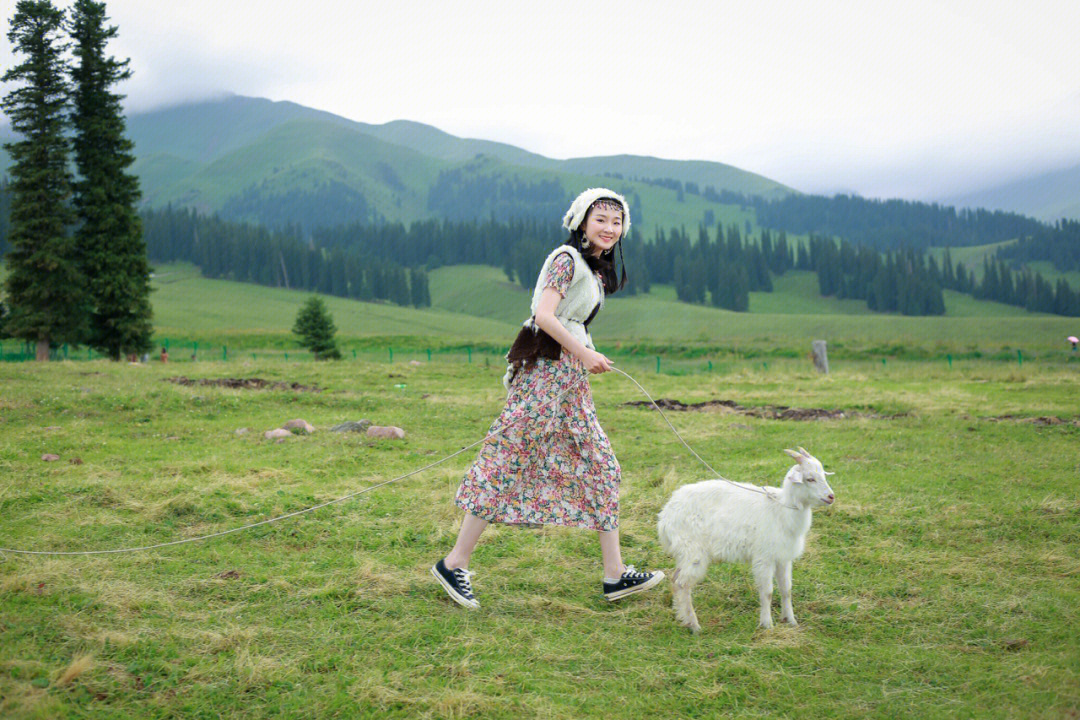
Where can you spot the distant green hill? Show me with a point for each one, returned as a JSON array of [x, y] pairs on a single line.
[[302, 155], [253, 159]]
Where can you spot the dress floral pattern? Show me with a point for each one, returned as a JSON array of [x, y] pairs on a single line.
[[554, 464], [560, 273]]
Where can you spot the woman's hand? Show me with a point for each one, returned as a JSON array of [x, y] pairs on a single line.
[[595, 362]]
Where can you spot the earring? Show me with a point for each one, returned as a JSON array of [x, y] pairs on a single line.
[[585, 242]]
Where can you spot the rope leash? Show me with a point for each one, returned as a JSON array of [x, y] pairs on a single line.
[[382, 484], [744, 486]]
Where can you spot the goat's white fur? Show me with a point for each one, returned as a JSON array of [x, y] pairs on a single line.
[[713, 520]]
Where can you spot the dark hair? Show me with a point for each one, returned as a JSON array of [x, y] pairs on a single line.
[[605, 263]]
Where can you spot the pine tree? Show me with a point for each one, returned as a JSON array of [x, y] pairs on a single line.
[[44, 288], [315, 326], [741, 291], [947, 278], [417, 286], [508, 266], [679, 279], [111, 249]]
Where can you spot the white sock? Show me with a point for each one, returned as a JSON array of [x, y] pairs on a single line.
[[611, 580]]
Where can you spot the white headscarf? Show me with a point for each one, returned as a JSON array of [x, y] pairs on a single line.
[[582, 203]]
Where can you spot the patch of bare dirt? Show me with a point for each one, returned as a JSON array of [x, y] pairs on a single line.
[[769, 412], [1041, 421], [244, 383]]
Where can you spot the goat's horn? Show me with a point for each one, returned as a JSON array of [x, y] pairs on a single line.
[[793, 454], [803, 451]]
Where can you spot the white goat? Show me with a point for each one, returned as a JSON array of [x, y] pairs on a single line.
[[714, 520]]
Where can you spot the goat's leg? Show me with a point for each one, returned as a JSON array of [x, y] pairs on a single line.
[[783, 579], [763, 579], [688, 573]]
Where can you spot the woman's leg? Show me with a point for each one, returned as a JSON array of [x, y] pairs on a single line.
[[610, 553], [468, 535]]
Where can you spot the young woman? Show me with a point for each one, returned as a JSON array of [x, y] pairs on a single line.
[[556, 465]]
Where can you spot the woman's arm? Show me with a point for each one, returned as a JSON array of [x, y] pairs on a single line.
[[546, 321]]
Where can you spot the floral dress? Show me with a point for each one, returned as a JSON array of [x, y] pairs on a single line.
[[555, 466]]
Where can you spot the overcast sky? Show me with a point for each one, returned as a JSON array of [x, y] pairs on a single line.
[[915, 99]]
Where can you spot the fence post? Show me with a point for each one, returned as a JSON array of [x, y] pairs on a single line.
[[429, 355], [1019, 358], [194, 349], [949, 358], [354, 354], [391, 354], [224, 352], [710, 366], [286, 357], [469, 348], [657, 363]]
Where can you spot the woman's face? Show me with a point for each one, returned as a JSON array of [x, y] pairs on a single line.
[[603, 227]]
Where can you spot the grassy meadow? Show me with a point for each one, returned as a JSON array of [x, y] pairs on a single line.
[[944, 583], [973, 256], [477, 305]]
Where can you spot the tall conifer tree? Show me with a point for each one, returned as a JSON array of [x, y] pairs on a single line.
[[112, 252], [44, 287]]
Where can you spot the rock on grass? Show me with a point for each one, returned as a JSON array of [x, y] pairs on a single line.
[[385, 431], [298, 424]]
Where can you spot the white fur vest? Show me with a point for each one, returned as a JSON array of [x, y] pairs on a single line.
[[585, 293]]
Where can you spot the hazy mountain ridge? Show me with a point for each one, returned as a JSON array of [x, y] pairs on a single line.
[[1048, 196]]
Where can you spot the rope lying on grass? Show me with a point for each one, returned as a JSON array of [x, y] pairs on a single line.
[[386, 482]]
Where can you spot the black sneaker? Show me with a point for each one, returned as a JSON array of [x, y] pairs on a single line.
[[456, 583], [631, 582]]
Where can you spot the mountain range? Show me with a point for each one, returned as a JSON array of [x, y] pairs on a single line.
[[1047, 196], [279, 162]]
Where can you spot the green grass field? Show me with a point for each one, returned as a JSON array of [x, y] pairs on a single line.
[[786, 320], [476, 306], [944, 583], [189, 306]]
